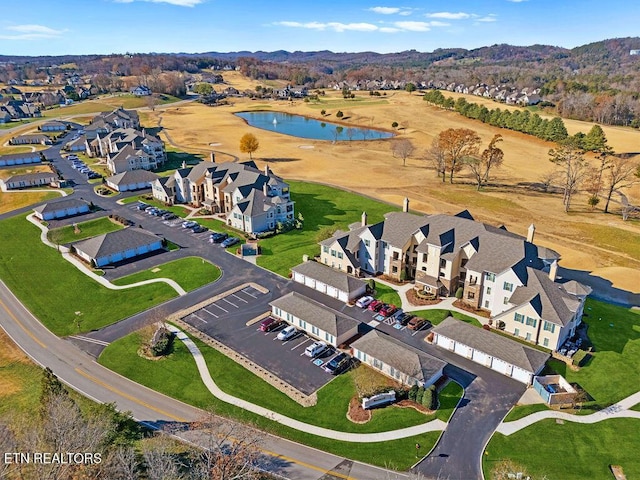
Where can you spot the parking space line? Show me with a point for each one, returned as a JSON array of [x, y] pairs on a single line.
[[194, 315], [241, 299], [301, 343], [247, 293], [229, 302], [216, 305], [212, 314]]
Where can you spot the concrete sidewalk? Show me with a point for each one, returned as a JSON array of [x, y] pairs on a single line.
[[433, 425], [617, 410]]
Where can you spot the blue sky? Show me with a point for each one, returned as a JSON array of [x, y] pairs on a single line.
[[56, 27]]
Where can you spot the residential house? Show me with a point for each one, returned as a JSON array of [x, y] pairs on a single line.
[[31, 139], [490, 349], [53, 126], [127, 149], [28, 180], [63, 208], [141, 91], [119, 118], [20, 159], [328, 281], [5, 117], [77, 145], [130, 180], [316, 319], [114, 247], [397, 360]]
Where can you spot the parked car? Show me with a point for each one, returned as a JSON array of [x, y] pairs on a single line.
[[416, 323], [375, 305], [403, 318], [269, 324], [199, 229], [363, 302], [189, 224], [169, 216], [94, 175], [143, 206], [337, 364], [230, 241], [287, 333], [217, 237], [316, 349], [388, 310], [160, 212]]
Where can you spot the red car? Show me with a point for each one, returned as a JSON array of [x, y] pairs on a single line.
[[375, 306], [388, 310], [269, 324]]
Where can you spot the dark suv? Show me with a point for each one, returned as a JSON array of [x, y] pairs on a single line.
[[337, 364]]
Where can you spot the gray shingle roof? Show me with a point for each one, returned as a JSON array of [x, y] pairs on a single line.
[[399, 226], [399, 355], [527, 358], [575, 288], [329, 276], [29, 177], [315, 313], [60, 205], [132, 176], [9, 156], [115, 242]]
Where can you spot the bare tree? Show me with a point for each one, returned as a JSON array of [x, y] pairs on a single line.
[[350, 133], [151, 101], [573, 167], [548, 179], [437, 158], [491, 158], [621, 172], [123, 464], [7, 444], [161, 461], [456, 144], [402, 148]]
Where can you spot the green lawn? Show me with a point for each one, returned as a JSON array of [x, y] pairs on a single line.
[[320, 206], [90, 228], [387, 294], [63, 290], [435, 316], [609, 376], [219, 226], [522, 411], [570, 451], [189, 272], [6, 126], [177, 376]]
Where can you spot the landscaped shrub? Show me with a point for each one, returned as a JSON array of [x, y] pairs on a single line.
[[161, 342], [580, 358], [459, 293], [419, 395], [427, 398], [486, 327], [434, 397], [413, 392]]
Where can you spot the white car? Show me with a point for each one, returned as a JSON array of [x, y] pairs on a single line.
[[364, 302], [287, 333], [315, 349]]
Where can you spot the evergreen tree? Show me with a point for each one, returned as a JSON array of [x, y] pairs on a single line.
[[556, 131], [595, 140]]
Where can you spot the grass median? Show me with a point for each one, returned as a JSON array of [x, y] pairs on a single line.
[[55, 291], [82, 230], [177, 376]]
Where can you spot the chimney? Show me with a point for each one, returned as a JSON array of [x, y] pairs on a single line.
[[531, 233], [405, 205], [212, 157], [184, 164], [305, 258], [553, 271], [267, 171], [364, 219], [265, 189]]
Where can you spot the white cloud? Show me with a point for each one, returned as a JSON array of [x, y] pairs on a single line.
[[384, 10], [492, 17], [389, 30], [449, 15], [413, 26], [31, 32], [335, 26], [178, 3], [405, 13]]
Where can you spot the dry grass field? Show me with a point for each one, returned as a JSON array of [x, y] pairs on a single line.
[[23, 198], [587, 240]]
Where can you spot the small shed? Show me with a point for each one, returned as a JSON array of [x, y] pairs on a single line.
[[66, 207], [554, 389], [117, 246], [329, 281]]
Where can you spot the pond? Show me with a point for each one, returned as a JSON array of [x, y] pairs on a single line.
[[305, 127]]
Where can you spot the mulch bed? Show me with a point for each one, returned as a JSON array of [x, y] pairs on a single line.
[[414, 405], [416, 300], [356, 413], [463, 306]]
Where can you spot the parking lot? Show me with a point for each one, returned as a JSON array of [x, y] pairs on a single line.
[[229, 320]]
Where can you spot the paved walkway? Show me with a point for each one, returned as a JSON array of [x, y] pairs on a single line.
[[445, 304], [58, 190], [205, 375], [101, 280], [617, 410]]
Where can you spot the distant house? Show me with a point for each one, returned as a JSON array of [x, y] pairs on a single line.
[[53, 126], [31, 139], [77, 145], [491, 350], [398, 360], [316, 319], [141, 91], [20, 159], [114, 247], [28, 180], [131, 180], [5, 117], [66, 207], [329, 281]]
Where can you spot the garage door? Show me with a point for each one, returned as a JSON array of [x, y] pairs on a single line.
[[462, 349], [481, 358], [343, 296], [445, 342], [501, 366], [321, 287], [143, 249], [115, 257], [298, 277], [309, 282], [521, 375], [332, 291]]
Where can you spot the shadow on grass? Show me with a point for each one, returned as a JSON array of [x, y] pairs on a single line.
[[175, 160], [280, 160]]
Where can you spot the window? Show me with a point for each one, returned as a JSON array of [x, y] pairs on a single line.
[[377, 363], [443, 263], [395, 256], [471, 295], [333, 253], [424, 269], [532, 322], [545, 342], [367, 242], [516, 332], [339, 254], [302, 323], [528, 337], [488, 290], [463, 263], [490, 277], [518, 317], [394, 270], [325, 249], [328, 337], [505, 300], [508, 286], [315, 330], [486, 304], [549, 327], [424, 258]]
